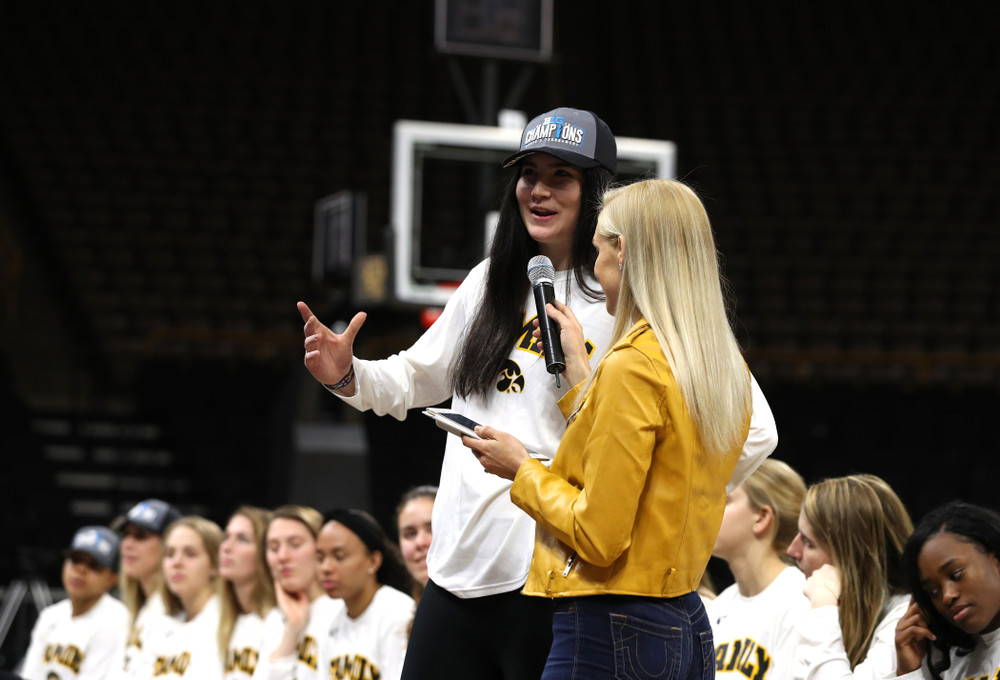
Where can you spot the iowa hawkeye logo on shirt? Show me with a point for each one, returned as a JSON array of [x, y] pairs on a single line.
[[511, 379], [744, 656]]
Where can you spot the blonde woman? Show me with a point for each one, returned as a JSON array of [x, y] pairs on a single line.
[[141, 574], [246, 592], [852, 531], [754, 619], [294, 631], [628, 513], [190, 570], [480, 355]]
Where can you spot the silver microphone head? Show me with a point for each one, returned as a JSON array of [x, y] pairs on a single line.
[[540, 269]]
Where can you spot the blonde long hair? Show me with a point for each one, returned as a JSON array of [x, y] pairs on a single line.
[[263, 584], [211, 538], [310, 517], [671, 278], [130, 589], [864, 526], [777, 486]]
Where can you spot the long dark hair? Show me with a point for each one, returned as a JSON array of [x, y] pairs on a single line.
[[497, 324], [966, 522], [392, 571]]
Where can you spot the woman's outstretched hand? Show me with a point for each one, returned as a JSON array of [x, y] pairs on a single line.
[[498, 452], [574, 345], [329, 356]]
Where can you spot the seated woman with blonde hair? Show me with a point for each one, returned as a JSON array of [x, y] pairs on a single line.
[[295, 628], [852, 531], [246, 591], [753, 619], [190, 570]]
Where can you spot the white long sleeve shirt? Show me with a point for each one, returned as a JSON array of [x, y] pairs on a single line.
[[245, 647], [819, 646], [306, 664], [190, 650], [982, 662], [151, 622], [84, 647], [752, 634], [372, 645]]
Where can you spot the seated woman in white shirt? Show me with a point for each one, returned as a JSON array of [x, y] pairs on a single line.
[[82, 636], [361, 566], [413, 522], [952, 628], [190, 570], [753, 619], [246, 593], [851, 536], [141, 575], [293, 630]]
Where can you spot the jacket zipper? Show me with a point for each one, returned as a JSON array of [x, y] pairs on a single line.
[[569, 565]]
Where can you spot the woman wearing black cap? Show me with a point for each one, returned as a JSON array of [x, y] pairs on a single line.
[[81, 636], [141, 574], [481, 354]]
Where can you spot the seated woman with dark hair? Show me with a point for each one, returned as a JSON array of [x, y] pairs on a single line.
[[361, 566], [951, 630]]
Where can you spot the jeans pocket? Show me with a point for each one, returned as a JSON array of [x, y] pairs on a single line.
[[646, 650], [707, 655]]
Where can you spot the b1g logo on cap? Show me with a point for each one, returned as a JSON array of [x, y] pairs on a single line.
[[143, 512], [554, 129], [92, 538]]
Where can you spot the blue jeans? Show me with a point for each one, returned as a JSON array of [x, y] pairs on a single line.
[[615, 636]]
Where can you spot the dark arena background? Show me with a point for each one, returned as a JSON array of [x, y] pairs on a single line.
[[160, 163]]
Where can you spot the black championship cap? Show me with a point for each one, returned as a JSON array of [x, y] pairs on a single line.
[[575, 136], [152, 515], [101, 543]]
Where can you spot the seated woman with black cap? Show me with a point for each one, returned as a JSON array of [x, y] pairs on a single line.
[[141, 574], [81, 636]]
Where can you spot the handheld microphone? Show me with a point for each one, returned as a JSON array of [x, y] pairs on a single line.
[[541, 273]]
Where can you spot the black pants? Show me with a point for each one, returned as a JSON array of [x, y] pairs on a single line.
[[498, 637]]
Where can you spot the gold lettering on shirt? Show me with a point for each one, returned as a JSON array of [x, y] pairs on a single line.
[[526, 341], [177, 664], [353, 667], [744, 656], [241, 660], [69, 656], [308, 651]]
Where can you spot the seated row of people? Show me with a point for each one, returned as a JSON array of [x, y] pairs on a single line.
[[823, 583], [847, 612], [285, 594]]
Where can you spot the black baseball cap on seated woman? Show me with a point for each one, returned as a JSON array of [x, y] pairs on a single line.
[[152, 515], [573, 135], [100, 543]]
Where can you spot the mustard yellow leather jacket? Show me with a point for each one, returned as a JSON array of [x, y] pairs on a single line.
[[632, 504]]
